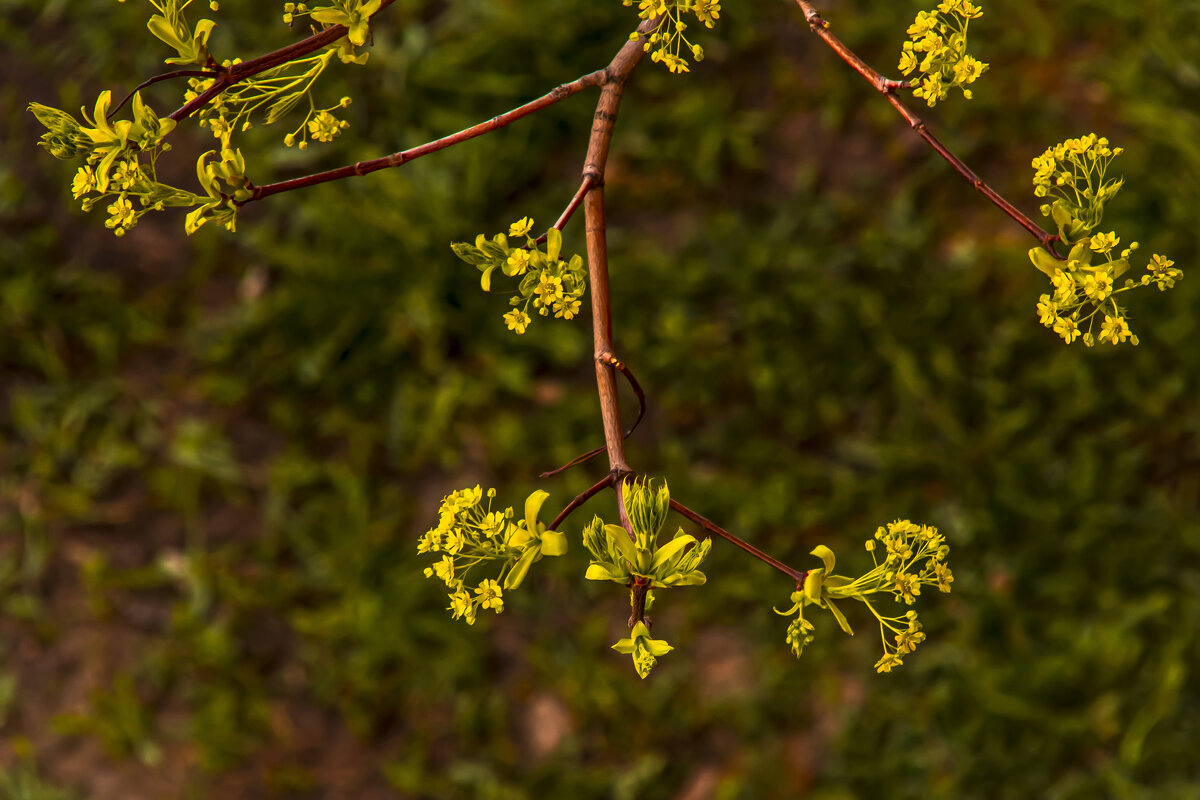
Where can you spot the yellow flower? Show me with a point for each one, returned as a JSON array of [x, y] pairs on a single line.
[[517, 321], [1097, 287], [1104, 242], [1047, 310], [925, 21], [324, 127], [518, 260], [122, 215], [1067, 329], [490, 595], [85, 181], [944, 577], [1114, 329], [520, 227], [462, 606], [566, 309], [888, 661]]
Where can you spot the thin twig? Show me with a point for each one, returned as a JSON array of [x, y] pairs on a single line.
[[248, 69], [166, 76], [622, 368], [569, 211], [887, 88], [712, 527], [580, 499], [396, 159]]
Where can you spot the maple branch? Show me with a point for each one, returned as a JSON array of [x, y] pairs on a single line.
[[622, 368], [570, 210], [712, 527], [248, 69], [166, 76], [888, 89], [396, 159], [580, 499]]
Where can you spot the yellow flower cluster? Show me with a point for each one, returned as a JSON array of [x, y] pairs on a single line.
[[1083, 303], [548, 284], [119, 159], [937, 51], [469, 534], [273, 93], [667, 43], [916, 557]]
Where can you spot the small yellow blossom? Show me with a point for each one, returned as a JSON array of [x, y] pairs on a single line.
[[521, 227], [517, 321]]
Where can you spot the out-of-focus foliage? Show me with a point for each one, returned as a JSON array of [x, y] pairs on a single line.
[[217, 454]]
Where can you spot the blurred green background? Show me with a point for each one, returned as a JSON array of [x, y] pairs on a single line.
[[216, 453]]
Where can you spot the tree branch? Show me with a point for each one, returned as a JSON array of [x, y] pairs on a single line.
[[166, 76], [888, 89], [712, 527], [248, 69], [396, 159], [580, 499], [570, 210], [623, 368], [594, 165]]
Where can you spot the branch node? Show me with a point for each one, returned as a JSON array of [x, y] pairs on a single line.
[[593, 176]]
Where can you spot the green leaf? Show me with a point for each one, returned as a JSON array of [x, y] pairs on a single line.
[[517, 575], [533, 505], [826, 555], [1063, 218], [1044, 261], [644, 557], [469, 253], [1081, 252], [620, 539], [812, 585], [485, 280], [604, 571], [671, 549], [693, 578], [553, 244], [493, 250], [838, 615], [657, 647], [554, 543]]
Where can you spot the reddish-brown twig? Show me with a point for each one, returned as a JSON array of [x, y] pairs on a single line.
[[887, 88], [712, 527], [623, 368], [248, 69], [405, 156], [580, 499], [570, 210], [166, 76]]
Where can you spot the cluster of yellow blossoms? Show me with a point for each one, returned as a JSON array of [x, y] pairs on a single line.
[[1083, 304], [667, 43], [273, 93], [548, 284], [469, 535], [937, 50], [916, 557]]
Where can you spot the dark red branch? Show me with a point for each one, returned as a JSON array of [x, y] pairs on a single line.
[[622, 368], [712, 527], [403, 157], [580, 499], [166, 76], [887, 88], [248, 69], [569, 211]]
